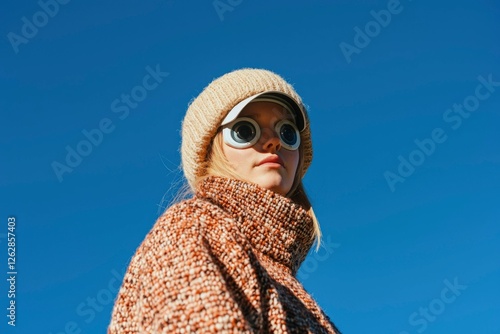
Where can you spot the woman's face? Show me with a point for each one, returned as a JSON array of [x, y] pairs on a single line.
[[266, 163]]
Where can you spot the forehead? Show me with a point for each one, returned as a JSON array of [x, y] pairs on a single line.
[[266, 109]]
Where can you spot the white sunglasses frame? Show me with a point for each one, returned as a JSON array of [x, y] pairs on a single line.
[[227, 131]]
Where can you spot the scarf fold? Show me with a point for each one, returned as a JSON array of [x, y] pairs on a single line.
[[273, 224]]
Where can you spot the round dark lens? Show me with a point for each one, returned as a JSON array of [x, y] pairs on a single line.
[[243, 132], [288, 134]]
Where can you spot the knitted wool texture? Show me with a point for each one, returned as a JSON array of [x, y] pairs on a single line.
[[222, 262], [206, 112]]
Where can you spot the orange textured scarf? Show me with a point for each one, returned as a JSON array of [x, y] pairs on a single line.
[[222, 262]]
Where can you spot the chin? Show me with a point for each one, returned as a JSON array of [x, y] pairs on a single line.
[[277, 185]]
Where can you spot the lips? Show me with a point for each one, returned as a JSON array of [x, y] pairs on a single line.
[[272, 159]]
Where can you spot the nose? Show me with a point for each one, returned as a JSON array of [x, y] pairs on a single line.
[[270, 141]]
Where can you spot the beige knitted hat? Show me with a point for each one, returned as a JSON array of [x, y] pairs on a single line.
[[206, 112]]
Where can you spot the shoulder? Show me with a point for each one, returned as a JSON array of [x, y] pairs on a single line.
[[193, 212], [187, 219]]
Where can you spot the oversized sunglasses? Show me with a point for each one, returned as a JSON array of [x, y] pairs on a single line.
[[244, 132]]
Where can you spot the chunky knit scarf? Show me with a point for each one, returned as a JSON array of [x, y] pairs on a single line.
[[222, 262]]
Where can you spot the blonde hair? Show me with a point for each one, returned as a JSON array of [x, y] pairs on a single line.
[[218, 165]]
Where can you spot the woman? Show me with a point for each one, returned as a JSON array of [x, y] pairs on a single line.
[[225, 260]]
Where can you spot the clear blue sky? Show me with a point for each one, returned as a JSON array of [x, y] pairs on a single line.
[[405, 180]]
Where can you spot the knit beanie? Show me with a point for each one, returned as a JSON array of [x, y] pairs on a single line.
[[206, 112]]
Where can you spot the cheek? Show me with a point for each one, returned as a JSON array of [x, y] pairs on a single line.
[[292, 159], [236, 157]]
